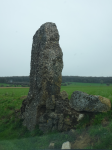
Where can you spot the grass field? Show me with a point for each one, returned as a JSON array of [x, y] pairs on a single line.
[[14, 136], [10, 85]]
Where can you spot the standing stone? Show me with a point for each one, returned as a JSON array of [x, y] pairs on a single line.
[[45, 75]]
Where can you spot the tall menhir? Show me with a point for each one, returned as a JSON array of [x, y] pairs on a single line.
[[45, 75]]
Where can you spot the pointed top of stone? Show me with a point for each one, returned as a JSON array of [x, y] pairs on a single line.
[[49, 31]]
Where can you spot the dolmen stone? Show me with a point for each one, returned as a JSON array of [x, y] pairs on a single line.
[[45, 74], [81, 101]]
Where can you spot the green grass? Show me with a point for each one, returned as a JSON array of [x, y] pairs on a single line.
[[14, 136], [10, 85]]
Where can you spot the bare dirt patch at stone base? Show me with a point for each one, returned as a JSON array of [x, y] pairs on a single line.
[[82, 141]]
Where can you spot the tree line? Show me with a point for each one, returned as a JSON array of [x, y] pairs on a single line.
[[83, 79]]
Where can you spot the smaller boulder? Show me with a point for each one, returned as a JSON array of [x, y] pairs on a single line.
[[51, 145], [66, 145], [81, 101]]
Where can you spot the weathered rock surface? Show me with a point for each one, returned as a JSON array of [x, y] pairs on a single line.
[[81, 101], [62, 118], [45, 74]]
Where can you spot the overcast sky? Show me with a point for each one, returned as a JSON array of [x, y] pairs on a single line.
[[85, 29]]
